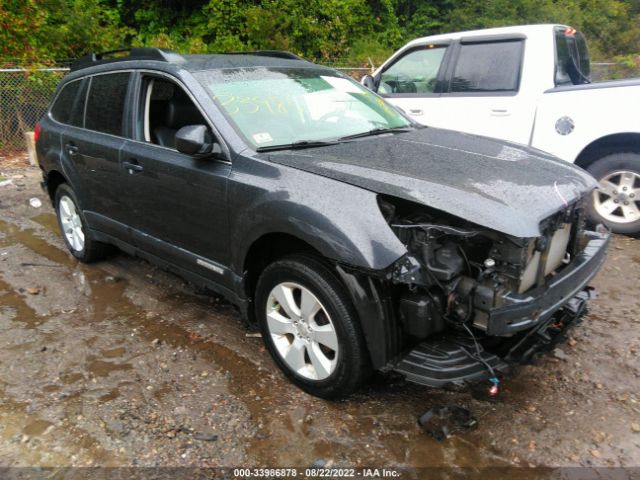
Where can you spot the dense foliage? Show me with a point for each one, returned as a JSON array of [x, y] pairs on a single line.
[[326, 30]]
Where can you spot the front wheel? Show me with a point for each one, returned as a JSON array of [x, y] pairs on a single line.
[[617, 202], [310, 328]]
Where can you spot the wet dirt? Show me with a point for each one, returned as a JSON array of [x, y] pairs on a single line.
[[121, 364]]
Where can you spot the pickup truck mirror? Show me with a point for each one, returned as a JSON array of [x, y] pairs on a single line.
[[369, 82], [195, 140]]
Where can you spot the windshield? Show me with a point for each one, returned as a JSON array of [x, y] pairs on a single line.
[[283, 106]]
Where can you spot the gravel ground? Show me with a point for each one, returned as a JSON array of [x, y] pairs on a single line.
[[121, 364]]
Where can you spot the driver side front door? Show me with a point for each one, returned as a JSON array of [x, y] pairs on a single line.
[[177, 203]]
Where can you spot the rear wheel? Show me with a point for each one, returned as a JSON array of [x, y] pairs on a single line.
[[617, 202], [74, 228], [310, 327]]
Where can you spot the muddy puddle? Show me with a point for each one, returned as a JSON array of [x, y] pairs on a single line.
[[280, 418], [119, 363]]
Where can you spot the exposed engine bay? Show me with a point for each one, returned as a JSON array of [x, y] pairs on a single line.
[[455, 272]]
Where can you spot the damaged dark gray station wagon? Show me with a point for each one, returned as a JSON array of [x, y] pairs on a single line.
[[356, 239]]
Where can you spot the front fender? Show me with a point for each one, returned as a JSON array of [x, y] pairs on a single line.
[[341, 221]]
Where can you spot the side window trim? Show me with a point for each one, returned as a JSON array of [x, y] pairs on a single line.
[[455, 56], [440, 77], [135, 106], [147, 108], [86, 101]]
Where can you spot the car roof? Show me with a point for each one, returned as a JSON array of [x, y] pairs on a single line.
[[512, 30], [149, 57], [195, 63], [487, 32]]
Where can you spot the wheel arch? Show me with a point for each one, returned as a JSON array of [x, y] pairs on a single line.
[[615, 143], [265, 250], [382, 337], [54, 180]]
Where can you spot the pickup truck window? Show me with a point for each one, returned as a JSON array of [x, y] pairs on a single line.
[[415, 72], [572, 58], [488, 67]]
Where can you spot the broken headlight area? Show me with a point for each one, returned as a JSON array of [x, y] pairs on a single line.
[[457, 274]]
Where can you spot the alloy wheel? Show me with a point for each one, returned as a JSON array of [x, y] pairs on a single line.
[[618, 198], [71, 223], [302, 331]]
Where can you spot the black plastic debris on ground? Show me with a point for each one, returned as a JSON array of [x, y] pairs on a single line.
[[442, 422]]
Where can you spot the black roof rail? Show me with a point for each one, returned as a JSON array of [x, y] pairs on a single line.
[[135, 53]]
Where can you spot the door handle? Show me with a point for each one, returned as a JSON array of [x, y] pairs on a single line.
[[72, 149], [500, 112], [133, 167], [415, 111]]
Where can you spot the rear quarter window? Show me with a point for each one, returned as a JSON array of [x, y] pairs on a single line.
[[105, 104], [488, 67], [68, 107], [573, 66]]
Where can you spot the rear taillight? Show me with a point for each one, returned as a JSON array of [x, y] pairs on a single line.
[[36, 132]]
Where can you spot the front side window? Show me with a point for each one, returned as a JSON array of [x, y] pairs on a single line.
[[69, 105], [105, 105], [488, 67], [416, 72], [279, 106], [165, 109]]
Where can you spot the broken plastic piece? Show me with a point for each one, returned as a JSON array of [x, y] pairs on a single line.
[[442, 422], [494, 389]]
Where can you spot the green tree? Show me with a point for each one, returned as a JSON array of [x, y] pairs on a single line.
[[611, 26], [39, 31]]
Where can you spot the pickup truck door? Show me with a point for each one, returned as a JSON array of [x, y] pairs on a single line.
[[478, 91]]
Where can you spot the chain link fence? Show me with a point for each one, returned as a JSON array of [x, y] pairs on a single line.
[[24, 96], [603, 71], [26, 92]]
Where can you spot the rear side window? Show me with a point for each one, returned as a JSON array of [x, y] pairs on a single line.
[[105, 105], [416, 72], [69, 105], [488, 67], [572, 58]]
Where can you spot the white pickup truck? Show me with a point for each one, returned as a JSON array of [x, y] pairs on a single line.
[[530, 85]]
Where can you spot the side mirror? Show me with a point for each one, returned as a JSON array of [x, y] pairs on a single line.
[[194, 140], [369, 82]]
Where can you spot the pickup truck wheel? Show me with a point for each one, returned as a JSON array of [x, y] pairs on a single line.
[[310, 328], [74, 227], [617, 202]]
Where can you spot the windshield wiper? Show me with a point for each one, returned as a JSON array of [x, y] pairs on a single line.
[[296, 145], [378, 131]]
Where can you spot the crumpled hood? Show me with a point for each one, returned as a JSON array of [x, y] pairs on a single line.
[[502, 186]]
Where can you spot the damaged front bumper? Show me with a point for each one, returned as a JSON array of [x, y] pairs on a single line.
[[529, 323], [519, 312]]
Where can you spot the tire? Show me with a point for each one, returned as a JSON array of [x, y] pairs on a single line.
[[73, 227], [619, 177], [324, 364]]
